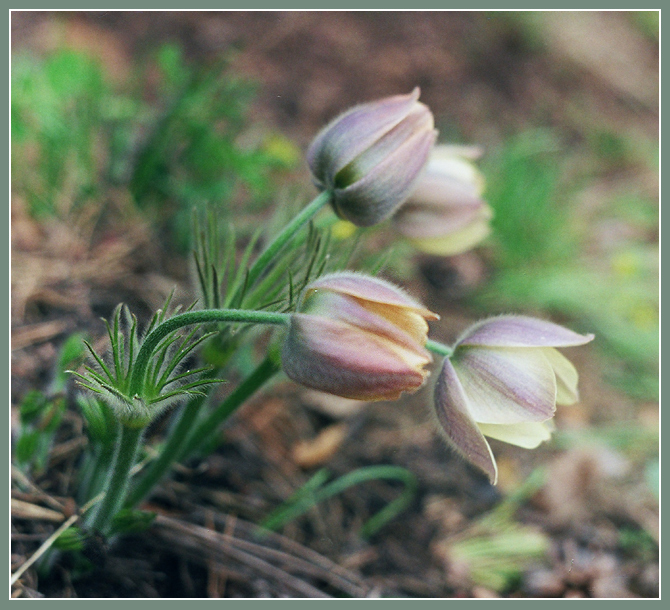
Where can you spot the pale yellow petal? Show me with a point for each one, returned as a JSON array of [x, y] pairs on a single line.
[[527, 435], [408, 320], [456, 242], [566, 377]]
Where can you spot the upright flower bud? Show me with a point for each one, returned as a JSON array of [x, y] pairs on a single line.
[[503, 381], [370, 157], [358, 337], [445, 213]]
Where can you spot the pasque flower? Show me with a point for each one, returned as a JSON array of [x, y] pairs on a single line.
[[445, 213], [359, 337], [503, 381], [370, 157]]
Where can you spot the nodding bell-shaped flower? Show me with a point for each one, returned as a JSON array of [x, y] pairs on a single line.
[[370, 157], [358, 337], [445, 213], [503, 381]]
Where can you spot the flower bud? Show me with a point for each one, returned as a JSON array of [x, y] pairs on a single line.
[[358, 337], [370, 157], [445, 213], [503, 381]]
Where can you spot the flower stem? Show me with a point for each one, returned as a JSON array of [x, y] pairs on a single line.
[[94, 478], [186, 319], [126, 450], [284, 237], [439, 348], [263, 373], [157, 469]]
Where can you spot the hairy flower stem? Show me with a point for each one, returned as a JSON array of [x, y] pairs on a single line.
[[126, 450], [186, 319], [166, 458], [284, 237], [439, 348], [94, 476]]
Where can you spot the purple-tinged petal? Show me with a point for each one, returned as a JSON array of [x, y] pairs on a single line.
[[425, 220], [342, 342], [455, 242], [338, 358], [335, 306], [378, 194], [354, 131], [452, 411], [521, 331], [453, 175], [418, 120], [506, 385], [427, 225], [527, 435], [367, 288], [566, 377]]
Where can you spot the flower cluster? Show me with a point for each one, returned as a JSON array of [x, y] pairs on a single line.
[[361, 337], [378, 160], [351, 334]]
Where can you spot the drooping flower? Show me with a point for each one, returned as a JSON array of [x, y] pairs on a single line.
[[358, 337], [445, 213], [370, 157], [503, 381]]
